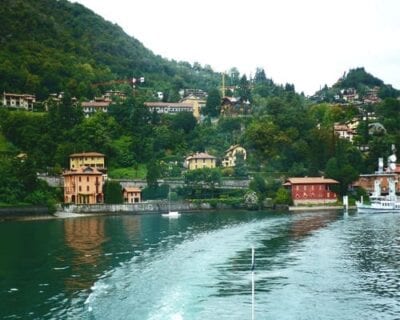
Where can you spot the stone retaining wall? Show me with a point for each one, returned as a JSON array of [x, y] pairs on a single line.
[[143, 207]]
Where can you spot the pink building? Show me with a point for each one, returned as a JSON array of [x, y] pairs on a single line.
[[132, 195], [83, 186]]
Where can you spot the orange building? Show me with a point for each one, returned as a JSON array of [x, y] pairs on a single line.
[[132, 195], [83, 186]]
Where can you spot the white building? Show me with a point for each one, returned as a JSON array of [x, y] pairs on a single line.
[[18, 101]]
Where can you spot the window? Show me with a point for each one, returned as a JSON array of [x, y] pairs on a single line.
[[87, 179], [80, 188], [87, 188], [79, 179]]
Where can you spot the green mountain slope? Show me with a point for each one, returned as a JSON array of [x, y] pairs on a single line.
[[49, 46]]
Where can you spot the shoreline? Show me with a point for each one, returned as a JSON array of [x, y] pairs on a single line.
[[315, 208], [155, 207]]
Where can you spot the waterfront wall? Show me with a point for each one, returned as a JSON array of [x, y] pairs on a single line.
[[23, 211], [142, 207]]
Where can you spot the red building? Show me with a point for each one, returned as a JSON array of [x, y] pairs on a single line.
[[311, 190]]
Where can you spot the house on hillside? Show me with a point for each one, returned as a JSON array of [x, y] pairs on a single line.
[[200, 160], [132, 195], [83, 186], [231, 106], [87, 159], [18, 101], [344, 132], [197, 104], [100, 104], [169, 107], [311, 190], [230, 155]]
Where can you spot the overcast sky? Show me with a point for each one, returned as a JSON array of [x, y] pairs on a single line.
[[305, 42]]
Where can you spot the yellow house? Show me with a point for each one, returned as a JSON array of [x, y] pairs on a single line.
[[200, 160], [197, 104], [230, 155], [87, 159], [83, 186], [132, 195]]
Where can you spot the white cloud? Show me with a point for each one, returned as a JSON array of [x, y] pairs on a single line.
[[308, 43]]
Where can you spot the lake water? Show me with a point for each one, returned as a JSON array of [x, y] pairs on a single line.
[[319, 265]]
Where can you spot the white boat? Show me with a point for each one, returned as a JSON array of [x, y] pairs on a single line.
[[170, 214], [381, 203]]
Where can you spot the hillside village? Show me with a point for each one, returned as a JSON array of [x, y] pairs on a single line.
[[84, 181], [160, 124]]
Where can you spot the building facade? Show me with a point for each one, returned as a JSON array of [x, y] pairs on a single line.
[[169, 107], [18, 101], [197, 104], [230, 155], [200, 161], [98, 105], [132, 195], [87, 159], [311, 190], [83, 186]]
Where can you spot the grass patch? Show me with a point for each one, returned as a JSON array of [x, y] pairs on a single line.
[[4, 144], [128, 173]]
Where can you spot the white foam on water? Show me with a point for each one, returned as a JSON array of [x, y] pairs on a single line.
[[172, 280], [61, 268]]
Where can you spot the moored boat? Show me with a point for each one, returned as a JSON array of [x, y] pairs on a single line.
[[380, 203]]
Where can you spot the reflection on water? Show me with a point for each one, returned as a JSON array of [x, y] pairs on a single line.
[[85, 237], [308, 266]]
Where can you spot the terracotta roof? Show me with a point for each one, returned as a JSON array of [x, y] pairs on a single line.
[[83, 171], [310, 180], [168, 104], [86, 154], [132, 189], [200, 155]]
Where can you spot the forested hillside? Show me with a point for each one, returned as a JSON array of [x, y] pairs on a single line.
[[48, 46], [52, 46]]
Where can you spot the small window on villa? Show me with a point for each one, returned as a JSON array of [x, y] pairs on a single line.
[[87, 188], [80, 188], [80, 179], [87, 179]]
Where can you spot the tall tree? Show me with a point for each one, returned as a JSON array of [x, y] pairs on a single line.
[[244, 89], [213, 103], [113, 192]]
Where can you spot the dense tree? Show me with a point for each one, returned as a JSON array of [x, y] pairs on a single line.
[[260, 76], [244, 89], [213, 103], [113, 192], [259, 186]]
